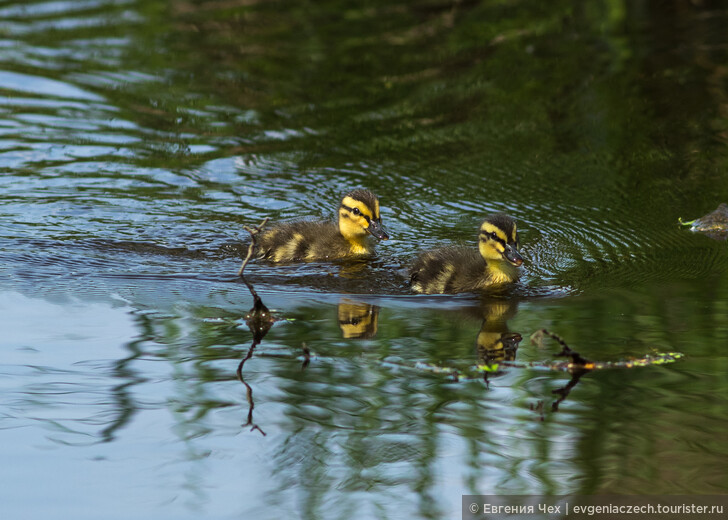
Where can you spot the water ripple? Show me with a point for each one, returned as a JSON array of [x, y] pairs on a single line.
[[44, 86]]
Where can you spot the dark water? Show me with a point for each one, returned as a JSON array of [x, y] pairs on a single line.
[[137, 138]]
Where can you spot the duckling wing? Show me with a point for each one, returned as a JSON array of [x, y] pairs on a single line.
[[448, 270]]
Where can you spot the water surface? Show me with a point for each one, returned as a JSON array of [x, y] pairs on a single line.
[[137, 138]]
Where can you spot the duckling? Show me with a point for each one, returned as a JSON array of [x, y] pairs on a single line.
[[358, 221], [460, 269]]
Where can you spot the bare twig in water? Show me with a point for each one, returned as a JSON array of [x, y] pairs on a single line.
[[253, 230], [537, 339]]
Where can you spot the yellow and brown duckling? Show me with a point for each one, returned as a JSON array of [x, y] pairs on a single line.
[[461, 269], [350, 237]]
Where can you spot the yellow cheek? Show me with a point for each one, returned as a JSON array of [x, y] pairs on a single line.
[[491, 250], [360, 224]]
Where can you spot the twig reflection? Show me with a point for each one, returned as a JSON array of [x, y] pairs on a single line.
[[249, 392], [564, 390], [578, 365], [306, 357], [259, 320]]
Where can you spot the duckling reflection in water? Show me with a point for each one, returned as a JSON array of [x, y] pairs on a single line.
[[357, 320], [494, 347], [458, 269], [350, 237], [495, 343]]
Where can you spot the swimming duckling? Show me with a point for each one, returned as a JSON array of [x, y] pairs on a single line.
[[461, 269], [351, 238]]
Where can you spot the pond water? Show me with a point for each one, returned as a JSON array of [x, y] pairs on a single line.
[[136, 140]]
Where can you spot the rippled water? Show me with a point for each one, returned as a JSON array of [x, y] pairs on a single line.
[[137, 138]]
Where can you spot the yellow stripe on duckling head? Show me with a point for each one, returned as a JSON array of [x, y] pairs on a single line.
[[498, 239], [356, 207], [354, 218], [514, 234], [359, 215], [491, 241]]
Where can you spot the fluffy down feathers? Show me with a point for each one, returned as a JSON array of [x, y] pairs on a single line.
[[303, 241]]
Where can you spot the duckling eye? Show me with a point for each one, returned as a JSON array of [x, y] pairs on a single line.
[[356, 211], [493, 235]]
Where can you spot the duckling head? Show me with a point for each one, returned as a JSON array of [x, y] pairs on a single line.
[[498, 240], [359, 217]]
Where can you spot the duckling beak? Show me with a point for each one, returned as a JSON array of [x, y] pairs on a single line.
[[510, 340], [512, 255], [376, 230]]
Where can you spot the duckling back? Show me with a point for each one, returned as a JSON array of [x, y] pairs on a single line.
[[449, 270], [301, 241]]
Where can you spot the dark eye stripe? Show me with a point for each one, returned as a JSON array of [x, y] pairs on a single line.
[[485, 236], [351, 210]]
